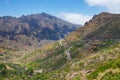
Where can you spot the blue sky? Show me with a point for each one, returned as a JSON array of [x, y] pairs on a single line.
[[69, 10]]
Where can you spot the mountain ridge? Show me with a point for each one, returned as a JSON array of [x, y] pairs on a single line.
[[90, 56], [34, 28]]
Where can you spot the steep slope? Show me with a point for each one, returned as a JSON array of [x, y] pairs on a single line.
[[91, 58], [110, 30], [30, 30], [96, 23], [99, 20]]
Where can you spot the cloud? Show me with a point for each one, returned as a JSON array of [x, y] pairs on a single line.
[[110, 5], [75, 18]]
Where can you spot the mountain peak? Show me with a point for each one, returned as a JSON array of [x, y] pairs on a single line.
[[34, 27], [104, 13], [100, 19], [43, 13], [106, 26], [47, 15]]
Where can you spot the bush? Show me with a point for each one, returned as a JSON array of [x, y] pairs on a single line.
[[111, 76], [3, 69], [107, 65], [29, 71]]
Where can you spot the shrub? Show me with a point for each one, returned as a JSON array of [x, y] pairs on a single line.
[[3, 69]]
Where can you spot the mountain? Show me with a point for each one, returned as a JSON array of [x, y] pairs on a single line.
[[30, 30], [108, 27], [85, 54]]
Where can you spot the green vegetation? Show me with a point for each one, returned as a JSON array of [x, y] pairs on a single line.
[[3, 71], [111, 76], [109, 31], [94, 54], [105, 43], [107, 65], [75, 46], [14, 71], [55, 65]]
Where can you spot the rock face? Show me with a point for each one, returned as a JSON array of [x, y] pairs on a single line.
[[67, 52], [30, 30]]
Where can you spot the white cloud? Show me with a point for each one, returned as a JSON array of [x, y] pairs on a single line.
[[75, 18], [110, 5]]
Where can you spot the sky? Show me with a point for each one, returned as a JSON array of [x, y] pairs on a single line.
[[74, 11]]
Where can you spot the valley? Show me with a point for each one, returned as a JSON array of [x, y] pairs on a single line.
[[91, 52]]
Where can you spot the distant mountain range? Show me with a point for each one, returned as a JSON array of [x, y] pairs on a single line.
[[30, 30]]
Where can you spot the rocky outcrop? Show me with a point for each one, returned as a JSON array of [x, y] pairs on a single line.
[[31, 29]]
